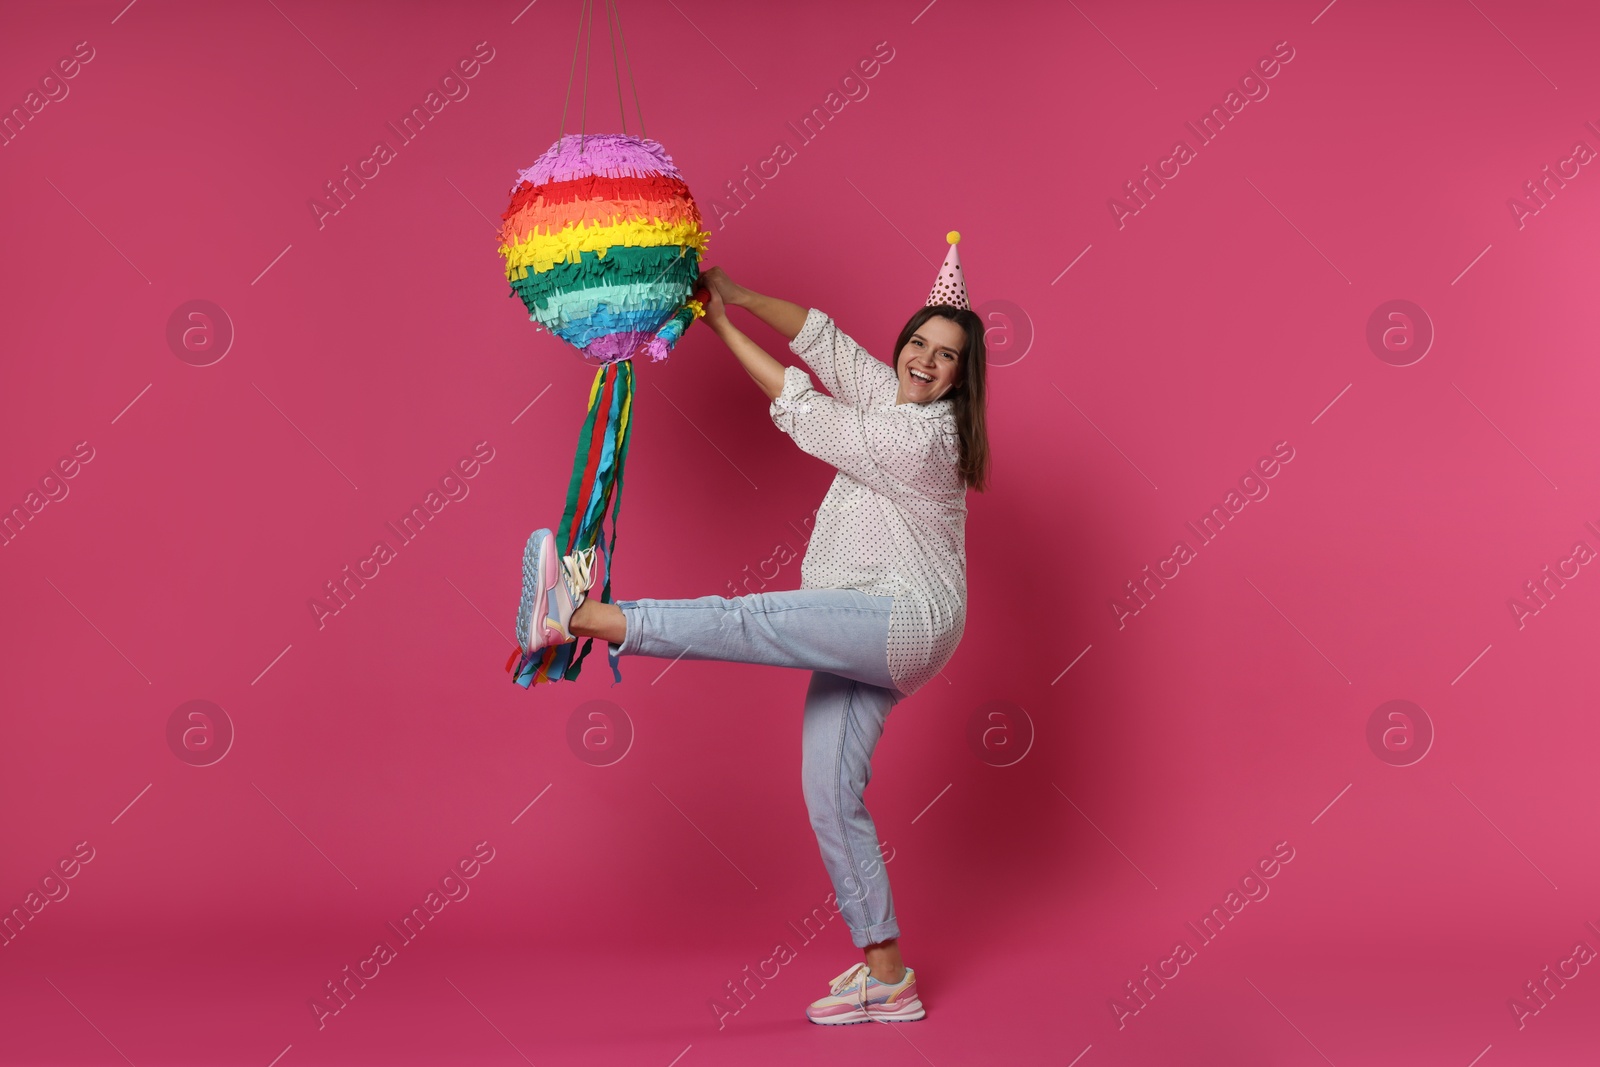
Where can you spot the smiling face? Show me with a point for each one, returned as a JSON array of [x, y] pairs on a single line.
[[929, 365]]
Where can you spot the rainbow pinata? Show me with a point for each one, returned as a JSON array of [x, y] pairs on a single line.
[[603, 242]]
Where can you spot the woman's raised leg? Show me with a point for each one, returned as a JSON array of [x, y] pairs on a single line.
[[842, 631], [596, 619]]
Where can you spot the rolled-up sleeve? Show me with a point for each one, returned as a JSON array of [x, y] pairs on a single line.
[[846, 370], [899, 454]]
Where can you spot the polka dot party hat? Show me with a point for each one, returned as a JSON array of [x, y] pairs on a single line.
[[951, 285]]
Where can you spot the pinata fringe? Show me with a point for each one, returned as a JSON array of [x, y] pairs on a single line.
[[595, 199], [596, 483], [620, 266], [648, 187], [661, 344], [541, 251], [622, 299], [536, 219], [614, 155]]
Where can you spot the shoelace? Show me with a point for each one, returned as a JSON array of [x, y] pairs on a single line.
[[580, 573], [857, 975]]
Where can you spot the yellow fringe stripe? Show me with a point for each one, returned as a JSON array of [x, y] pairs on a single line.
[[540, 251]]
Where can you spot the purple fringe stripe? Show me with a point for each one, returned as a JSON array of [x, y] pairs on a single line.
[[614, 155]]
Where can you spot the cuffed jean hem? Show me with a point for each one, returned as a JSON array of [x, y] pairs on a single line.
[[872, 935]]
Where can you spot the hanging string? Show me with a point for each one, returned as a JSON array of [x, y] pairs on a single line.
[[615, 68], [627, 63], [583, 111], [583, 10], [584, 38], [570, 72]]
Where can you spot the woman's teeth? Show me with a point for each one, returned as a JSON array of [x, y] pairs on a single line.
[[920, 377]]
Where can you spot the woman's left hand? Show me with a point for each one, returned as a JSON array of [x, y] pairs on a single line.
[[716, 309]]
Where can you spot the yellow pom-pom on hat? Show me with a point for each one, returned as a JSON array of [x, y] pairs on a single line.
[[950, 287]]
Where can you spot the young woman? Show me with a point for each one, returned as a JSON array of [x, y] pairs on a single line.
[[882, 598]]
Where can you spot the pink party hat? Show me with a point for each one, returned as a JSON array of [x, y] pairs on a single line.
[[951, 285]]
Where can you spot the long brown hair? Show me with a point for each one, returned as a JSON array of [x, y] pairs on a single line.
[[967, 394]]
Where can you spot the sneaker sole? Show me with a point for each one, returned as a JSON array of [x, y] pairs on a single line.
[[855, 1017], [530, 591], [535, 598]]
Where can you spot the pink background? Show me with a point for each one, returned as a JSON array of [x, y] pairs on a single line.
[[1229, 715]]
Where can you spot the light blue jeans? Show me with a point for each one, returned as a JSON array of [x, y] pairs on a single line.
[[842, 637]]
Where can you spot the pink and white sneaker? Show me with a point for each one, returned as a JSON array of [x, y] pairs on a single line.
[[855, 997], [552, 588]]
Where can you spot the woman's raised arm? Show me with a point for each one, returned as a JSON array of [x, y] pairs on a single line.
[[764, 370], [781, 315]]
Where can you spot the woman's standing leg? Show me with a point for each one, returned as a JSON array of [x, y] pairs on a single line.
[[841, 635], [843, 721]]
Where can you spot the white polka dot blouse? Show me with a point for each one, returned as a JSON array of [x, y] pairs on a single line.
[[894, 520]]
